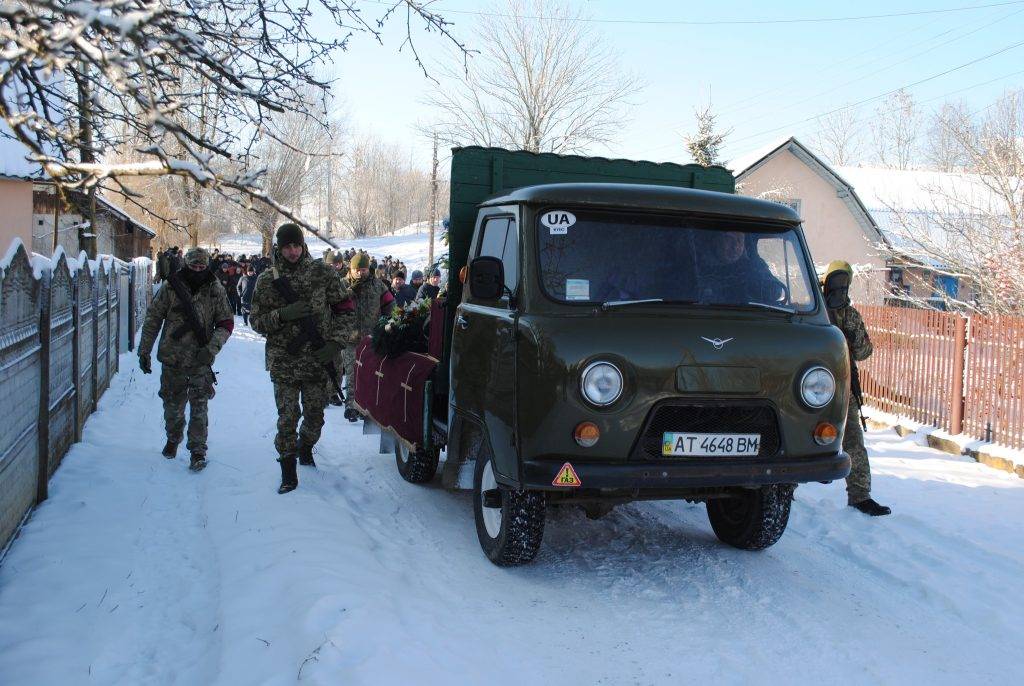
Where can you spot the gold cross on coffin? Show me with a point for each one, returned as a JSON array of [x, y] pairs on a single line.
[[406, 390]]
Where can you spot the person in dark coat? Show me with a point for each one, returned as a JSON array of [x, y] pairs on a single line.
[[246, 286], [432, 287], [404, 293]]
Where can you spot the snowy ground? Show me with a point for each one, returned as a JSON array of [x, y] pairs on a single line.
[[136, 571]]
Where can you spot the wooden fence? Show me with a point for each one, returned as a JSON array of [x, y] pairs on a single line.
[[962, 374], [61, 330]]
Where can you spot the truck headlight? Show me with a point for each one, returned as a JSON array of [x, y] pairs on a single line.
[[817, 387], [601, 383]]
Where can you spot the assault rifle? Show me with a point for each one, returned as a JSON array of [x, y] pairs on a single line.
[[188, 311], [309, 333]]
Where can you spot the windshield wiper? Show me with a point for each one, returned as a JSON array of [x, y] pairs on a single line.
[[776, 308], [620, 303]]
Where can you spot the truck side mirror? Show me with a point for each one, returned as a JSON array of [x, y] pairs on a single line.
[[486, 278]]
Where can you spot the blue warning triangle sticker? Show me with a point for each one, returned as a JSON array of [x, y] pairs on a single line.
[[567, 478]]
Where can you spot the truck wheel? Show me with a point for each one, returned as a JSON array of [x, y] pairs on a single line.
[[509, 524], [754, 520], [415, 467]]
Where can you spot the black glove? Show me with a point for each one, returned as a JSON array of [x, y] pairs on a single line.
[[145, 364], [296, 310], [204, 356], [327, 352]]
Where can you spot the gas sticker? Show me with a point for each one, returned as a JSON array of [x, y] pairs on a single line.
[[567, 478], [558, 221]]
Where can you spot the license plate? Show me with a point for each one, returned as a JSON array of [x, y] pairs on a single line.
[[727, 445]]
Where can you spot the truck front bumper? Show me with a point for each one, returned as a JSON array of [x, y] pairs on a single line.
[[687, 473]]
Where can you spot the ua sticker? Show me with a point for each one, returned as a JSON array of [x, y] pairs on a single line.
[[558, 221], [566, 477]]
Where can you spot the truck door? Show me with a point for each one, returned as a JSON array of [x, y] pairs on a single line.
[[484, 346]]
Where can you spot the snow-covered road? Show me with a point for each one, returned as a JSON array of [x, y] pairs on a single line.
[[136, 571]]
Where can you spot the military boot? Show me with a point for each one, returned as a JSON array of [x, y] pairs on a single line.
[[351, 415], [306, 455], [170, 450], [198, 462], [289, 479], [870, 507], [336, 400]]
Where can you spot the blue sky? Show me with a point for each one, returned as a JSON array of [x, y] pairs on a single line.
[[760, 77]]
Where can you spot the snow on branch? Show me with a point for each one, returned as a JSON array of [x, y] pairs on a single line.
[[190, 86]]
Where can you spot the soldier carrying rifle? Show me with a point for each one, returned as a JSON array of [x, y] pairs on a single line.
[[836, 288], [192, 307], [305, 312]]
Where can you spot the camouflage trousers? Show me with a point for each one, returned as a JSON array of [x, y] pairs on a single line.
[[303, 399], [348, 357], [858, 484], [339, 368], [186, 385]]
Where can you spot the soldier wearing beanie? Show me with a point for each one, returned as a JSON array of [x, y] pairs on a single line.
[[193, 310], [372, 299], [297, 367]]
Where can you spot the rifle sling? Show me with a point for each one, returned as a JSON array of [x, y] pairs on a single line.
[[188, 311]]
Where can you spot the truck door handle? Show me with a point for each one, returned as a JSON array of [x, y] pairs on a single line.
[[462, 322]]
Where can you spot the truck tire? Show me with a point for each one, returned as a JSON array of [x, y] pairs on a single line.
[[754, 520], [511, 533], [415, 467]]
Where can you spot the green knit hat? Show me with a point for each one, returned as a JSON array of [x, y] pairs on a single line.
[[360, 261], [197, 256]]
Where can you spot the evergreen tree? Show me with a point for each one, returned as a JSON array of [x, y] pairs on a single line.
[[704, 146]]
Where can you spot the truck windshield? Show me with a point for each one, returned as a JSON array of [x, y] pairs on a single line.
[[615, 258]]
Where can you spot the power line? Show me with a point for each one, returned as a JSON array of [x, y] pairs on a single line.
[[716, 22]]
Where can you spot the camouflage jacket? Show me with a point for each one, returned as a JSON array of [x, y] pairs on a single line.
[[372, 300], [849, 321], [320, 286], [210, 302]]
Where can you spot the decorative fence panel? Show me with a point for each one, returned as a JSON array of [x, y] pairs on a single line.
[[60, 330], [19, 389], [62, 392], [102, 298], [85, 334]]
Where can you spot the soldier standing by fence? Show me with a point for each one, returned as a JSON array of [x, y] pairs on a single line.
[[301, 307], [192, 307], [836, 287]]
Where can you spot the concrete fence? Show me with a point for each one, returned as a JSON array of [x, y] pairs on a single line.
[[63, 323]]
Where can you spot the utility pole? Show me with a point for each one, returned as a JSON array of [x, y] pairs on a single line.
[[433, 204]]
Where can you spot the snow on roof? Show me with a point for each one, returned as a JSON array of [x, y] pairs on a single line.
[[12, 158], [920, 190]]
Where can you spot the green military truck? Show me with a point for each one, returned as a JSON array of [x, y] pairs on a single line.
[[618, 331]]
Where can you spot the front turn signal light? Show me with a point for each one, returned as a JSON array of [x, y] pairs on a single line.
[[586, 434], [825, 433]]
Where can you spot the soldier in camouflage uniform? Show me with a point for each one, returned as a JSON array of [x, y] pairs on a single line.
[[372, 299], [299, 377], [836, 286], [186, 376]]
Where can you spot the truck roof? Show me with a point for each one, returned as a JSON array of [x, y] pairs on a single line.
[[646, 197]]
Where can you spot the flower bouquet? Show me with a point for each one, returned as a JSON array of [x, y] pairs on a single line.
[[402, 331]]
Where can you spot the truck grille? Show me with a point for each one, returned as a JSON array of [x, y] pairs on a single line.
[[710, 418]]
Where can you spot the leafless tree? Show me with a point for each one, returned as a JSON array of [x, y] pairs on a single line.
[[942, 150], [838, 136], [970, 224], [544, 82], [896, 130], [80, 79]]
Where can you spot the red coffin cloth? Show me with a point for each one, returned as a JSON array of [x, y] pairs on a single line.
[[435, 338], [390, 389]]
